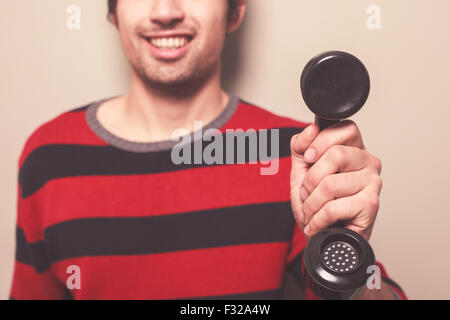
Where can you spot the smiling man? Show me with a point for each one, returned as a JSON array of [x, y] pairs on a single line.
[[98, 189]]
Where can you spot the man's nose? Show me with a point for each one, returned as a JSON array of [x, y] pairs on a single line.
[[166, 13]]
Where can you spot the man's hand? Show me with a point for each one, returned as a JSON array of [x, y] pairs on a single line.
[[333, 179]]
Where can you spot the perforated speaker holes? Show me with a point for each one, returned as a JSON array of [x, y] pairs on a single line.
[[340, 257]]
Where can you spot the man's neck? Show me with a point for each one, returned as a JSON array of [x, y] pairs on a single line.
[[146, 115]]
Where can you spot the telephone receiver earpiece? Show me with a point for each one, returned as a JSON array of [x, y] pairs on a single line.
[[335, 85]]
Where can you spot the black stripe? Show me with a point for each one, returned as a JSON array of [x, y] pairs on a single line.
[[257, 295], [252, 224], [57, 161], [33, 254], [68, 296]]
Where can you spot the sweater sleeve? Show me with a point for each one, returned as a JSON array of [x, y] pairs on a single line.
[[32, 278], [294, 266]]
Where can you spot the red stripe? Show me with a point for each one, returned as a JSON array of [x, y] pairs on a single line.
[[67, 128], [184, 274], [298, 244], [248, 116], [309, 295], [155, 194], [72, 128], [29, 285]]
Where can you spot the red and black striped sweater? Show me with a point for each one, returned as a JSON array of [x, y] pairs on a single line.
[[137, 226]]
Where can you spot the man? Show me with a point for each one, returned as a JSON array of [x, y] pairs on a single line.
[[104, 211]]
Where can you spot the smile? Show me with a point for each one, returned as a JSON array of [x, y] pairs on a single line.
[[169, 43], [169, 47]]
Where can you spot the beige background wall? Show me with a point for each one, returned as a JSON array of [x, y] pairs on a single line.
[[47, 69]]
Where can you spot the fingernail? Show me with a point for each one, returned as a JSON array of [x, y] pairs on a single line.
[[304, 194], [310, 155], [307, 229]]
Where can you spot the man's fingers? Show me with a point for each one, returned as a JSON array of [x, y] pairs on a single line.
[[333, 211], [344, 132], [358, 210], [339, 159], [332, 187]]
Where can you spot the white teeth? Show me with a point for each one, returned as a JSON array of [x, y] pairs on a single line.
[[169, 43]]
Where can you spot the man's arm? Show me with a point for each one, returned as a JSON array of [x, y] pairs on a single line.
[[33, 277], [384, 293], [388, 290]]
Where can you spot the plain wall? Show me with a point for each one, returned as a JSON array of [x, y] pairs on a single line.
[[47, 69]]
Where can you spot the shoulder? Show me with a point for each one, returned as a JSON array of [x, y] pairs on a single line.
[[249, 115], [62, 129]]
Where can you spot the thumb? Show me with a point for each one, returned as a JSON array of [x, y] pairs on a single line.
[[301, 142], [299, 167]]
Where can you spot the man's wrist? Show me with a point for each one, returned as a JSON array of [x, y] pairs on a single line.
[[385, 292]]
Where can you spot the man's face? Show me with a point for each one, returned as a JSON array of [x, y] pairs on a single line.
[[172, 42]]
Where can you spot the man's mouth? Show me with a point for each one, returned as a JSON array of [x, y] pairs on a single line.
[[169, 46], [169, 42]]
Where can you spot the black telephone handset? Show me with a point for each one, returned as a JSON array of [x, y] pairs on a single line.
[[335, 85]]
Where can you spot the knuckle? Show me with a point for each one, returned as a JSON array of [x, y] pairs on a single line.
[[373, 201], [307, 181], [378, 181], [352, 128], [315, 226], [311, 180], [328, 210], [307, 208], [328, 185], [378, 164], [293, 140], [336, 154]]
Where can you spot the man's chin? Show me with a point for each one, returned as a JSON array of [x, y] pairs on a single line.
[[188, 75], [167, 82]]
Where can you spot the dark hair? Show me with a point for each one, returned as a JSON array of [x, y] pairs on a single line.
[[232, 10]]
